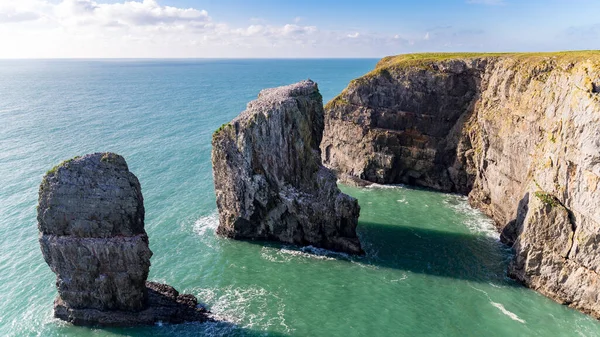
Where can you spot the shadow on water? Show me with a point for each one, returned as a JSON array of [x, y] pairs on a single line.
[[470, 257], [208, 329], [477, 258]]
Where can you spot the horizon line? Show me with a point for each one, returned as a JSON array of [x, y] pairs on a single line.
[[298, 58]]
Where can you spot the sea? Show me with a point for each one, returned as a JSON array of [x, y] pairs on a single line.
[[434, 266]]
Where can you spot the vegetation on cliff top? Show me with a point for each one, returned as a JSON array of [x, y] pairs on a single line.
[[423, 58], [64, 163], [389, 64], [221, 128]]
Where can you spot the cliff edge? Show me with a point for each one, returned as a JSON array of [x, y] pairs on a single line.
[[518, 133], [269, 180]]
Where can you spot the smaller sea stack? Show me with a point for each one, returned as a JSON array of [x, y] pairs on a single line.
[[91, 223], [269, 180]]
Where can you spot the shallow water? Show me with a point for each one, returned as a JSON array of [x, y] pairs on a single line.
[[434, 266]]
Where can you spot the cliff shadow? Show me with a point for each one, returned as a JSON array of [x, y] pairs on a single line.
[[470, 257], [215, 328], [477, 258]]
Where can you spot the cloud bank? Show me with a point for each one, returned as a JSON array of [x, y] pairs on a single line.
[[147, 28]]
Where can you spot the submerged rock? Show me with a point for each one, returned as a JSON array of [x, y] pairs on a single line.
[[91, 223], [518, 133], [269, 180]]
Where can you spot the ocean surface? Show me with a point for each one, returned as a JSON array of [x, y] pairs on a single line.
[[434, 266]]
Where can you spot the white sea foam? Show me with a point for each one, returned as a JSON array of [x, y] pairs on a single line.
[[364, 265], [375, 185], [245, 307], [475, 221], [404, 277], [501, 307], [205, 227], [208, 223], [287, 253], [512, 315]]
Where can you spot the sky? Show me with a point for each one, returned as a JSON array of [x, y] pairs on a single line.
[[290, 28]]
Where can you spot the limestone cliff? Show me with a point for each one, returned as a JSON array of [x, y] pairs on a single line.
[[518, 133], [269, 180], [91, 223]]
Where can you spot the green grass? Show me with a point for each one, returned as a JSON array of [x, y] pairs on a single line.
[[62, 164], [338, 100], [390, 65], [108, 157], [407, 59], [221, 128], [547, 199]]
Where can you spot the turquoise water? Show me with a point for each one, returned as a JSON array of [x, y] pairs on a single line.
[[433, 267]]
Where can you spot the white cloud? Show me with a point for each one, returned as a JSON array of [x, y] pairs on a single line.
[[298, 30], [146, 28], [22, 10], [130, 13], [11, 15]]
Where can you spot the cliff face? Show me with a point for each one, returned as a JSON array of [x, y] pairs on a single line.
[[91, 223], [518, 133], [269, 180]]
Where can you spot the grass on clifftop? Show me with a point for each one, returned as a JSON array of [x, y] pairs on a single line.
[[414, 59], [389, 64], [221, 128], [63, 163]]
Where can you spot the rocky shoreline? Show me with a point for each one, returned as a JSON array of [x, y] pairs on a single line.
[[518, 133]]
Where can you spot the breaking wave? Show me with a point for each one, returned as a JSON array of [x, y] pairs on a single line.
[[475, 220]]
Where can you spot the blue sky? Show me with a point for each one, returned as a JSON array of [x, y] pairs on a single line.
[[308, 28]]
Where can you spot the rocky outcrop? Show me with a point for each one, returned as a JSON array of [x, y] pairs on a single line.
[[518, 133], [91, 223], [548, 258], [269, 180]]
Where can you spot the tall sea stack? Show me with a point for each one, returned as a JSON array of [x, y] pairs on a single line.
[[269, 180], [518, 133], [91, 223]]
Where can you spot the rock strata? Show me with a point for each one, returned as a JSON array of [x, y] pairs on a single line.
[[91, 223], [518, 133], [269, 180]]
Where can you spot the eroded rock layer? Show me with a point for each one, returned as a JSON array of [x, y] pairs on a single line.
[[91, 223], [518, 133], [269, 180]]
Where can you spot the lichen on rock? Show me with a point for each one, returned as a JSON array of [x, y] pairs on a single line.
[[269, 180], [91, 223]]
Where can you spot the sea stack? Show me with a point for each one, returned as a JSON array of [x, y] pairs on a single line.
[[269, 180], [518, 133], [91, 223]]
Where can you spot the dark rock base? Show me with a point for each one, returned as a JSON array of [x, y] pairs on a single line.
[[165, 305]]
